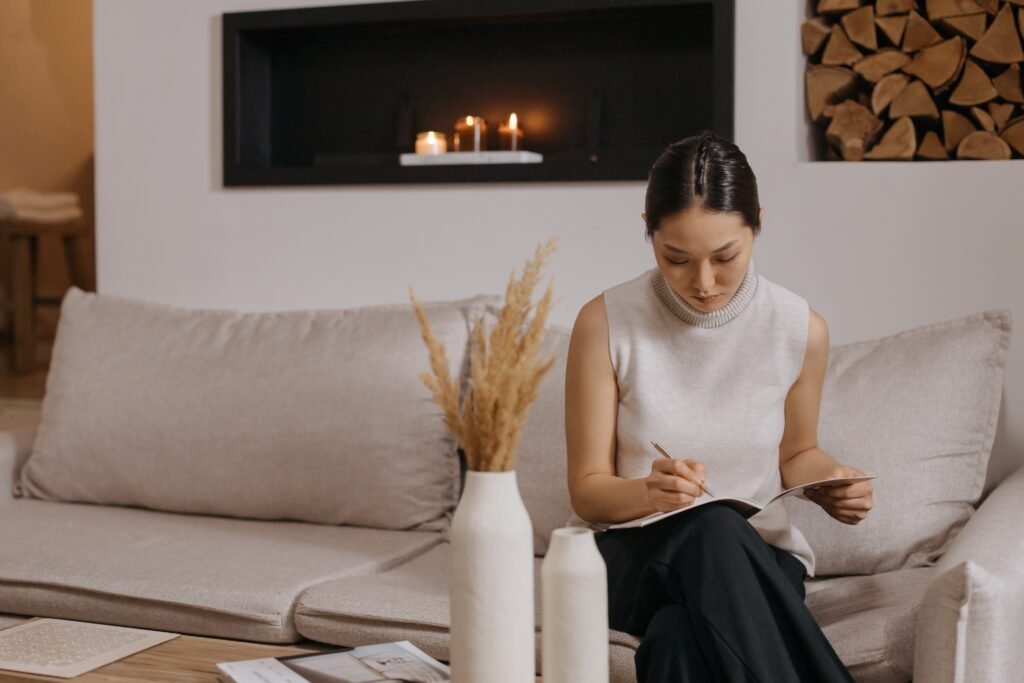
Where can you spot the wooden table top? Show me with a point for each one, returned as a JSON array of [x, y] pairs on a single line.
[[185, 659]]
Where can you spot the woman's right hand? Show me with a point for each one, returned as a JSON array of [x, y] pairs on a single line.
[[674, 484]]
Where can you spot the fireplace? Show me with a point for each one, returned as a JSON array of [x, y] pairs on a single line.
[[334, 95]]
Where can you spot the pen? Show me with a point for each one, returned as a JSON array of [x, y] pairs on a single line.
[[665, 454]]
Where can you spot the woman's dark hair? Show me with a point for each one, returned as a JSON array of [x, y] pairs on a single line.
[[706, 170]]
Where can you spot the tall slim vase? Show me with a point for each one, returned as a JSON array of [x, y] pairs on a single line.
[[574, 601], [491, 583]]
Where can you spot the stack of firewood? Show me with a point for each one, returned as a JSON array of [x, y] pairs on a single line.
[[916, 79]]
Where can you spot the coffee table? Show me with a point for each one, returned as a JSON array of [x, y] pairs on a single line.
[[185, 659]]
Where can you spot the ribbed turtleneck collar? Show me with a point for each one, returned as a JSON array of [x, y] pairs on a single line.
[[688, 314]]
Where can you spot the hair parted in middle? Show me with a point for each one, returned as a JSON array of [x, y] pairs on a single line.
[[702, 170]]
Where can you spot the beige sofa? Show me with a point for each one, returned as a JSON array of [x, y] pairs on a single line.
[[280, 476]]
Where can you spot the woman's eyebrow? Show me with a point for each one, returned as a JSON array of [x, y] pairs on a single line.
[[680, 251]]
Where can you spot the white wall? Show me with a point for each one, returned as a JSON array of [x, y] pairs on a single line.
[[876, 248]]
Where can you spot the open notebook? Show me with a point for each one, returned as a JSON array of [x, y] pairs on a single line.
[[745, 506]]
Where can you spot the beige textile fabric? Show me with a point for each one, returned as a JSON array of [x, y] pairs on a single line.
[[971, 626], [315, 416], [411, 601], [870, 621], [215, 576], [919, 409], [15, 447], [8, 620], [542, 468]]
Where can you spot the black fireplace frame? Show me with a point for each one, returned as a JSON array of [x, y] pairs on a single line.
[[267, 141]]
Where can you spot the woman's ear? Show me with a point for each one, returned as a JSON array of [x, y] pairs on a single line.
[[643, 214], [760, 215]]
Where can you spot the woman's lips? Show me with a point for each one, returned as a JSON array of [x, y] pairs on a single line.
[[708, 300]]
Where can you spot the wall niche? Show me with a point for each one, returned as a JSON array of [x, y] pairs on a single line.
[[915, 79], [333, 95]]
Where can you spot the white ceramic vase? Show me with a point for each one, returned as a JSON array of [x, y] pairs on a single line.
[[491, 583], [574, 604]]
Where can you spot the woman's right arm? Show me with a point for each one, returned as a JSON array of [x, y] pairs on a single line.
[[591, 405]]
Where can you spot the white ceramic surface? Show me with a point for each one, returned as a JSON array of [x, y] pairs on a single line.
[[574, 599], [492, 592]]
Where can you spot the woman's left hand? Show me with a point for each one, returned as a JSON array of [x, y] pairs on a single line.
[[849, 504]]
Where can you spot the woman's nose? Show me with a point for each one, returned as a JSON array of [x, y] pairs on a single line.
[[705, 277]]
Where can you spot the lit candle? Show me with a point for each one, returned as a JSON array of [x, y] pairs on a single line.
[[510, 134], [431, 142], [470, 134]]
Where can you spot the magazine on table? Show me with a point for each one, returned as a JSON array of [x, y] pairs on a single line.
[[397, 662], [745, 506]]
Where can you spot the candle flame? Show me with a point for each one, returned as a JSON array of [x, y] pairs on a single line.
[[430, 136], [513, 121], [469, 120]]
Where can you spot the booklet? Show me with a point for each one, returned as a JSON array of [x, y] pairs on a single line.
[[745, 506], [397, 662]]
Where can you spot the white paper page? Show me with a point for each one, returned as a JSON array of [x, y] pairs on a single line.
[[340, 665], [752, 506], [843, 481], [265, 670], [700, 500], [403, 661]]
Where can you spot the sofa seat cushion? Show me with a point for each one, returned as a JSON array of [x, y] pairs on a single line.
[[870, 620], [8, 620], [215, 576], [411, 602]]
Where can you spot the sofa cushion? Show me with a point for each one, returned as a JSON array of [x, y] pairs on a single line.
[[8, 620], [542, 469], [316, 416], [870, 620], [411, 602], [214, 576], [919, 409]]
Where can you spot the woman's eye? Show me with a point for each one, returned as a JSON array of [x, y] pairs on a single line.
[[680, 263]]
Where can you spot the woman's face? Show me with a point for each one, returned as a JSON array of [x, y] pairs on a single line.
[[704, 254]]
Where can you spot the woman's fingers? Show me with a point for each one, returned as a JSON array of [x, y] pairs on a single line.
[[861, 489], [681, 470], [677, 497], [698, 468], [674, 484], [855, 504]]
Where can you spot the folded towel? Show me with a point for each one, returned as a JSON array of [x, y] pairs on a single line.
[[23, 197], [16, 213]]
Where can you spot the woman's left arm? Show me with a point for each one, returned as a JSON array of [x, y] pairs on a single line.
[[800, 459]]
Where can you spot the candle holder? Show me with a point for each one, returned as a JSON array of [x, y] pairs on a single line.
[[431, 142], [470, 134], [510, 135]]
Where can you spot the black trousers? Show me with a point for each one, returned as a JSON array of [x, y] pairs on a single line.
[[712, 601]]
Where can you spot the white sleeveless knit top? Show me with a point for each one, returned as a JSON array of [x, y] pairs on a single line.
[[709, 386]]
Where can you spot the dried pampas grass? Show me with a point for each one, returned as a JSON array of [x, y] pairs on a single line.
[[504, 372]]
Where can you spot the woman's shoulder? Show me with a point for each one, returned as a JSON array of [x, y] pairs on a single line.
[[593, 317], [641, 279]]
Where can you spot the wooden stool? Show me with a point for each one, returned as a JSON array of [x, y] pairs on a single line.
[[24, 247]]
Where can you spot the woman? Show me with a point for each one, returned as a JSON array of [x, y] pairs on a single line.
[[724, 369]]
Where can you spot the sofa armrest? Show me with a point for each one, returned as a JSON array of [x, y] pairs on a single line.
[[15, 447], [969, 625]]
